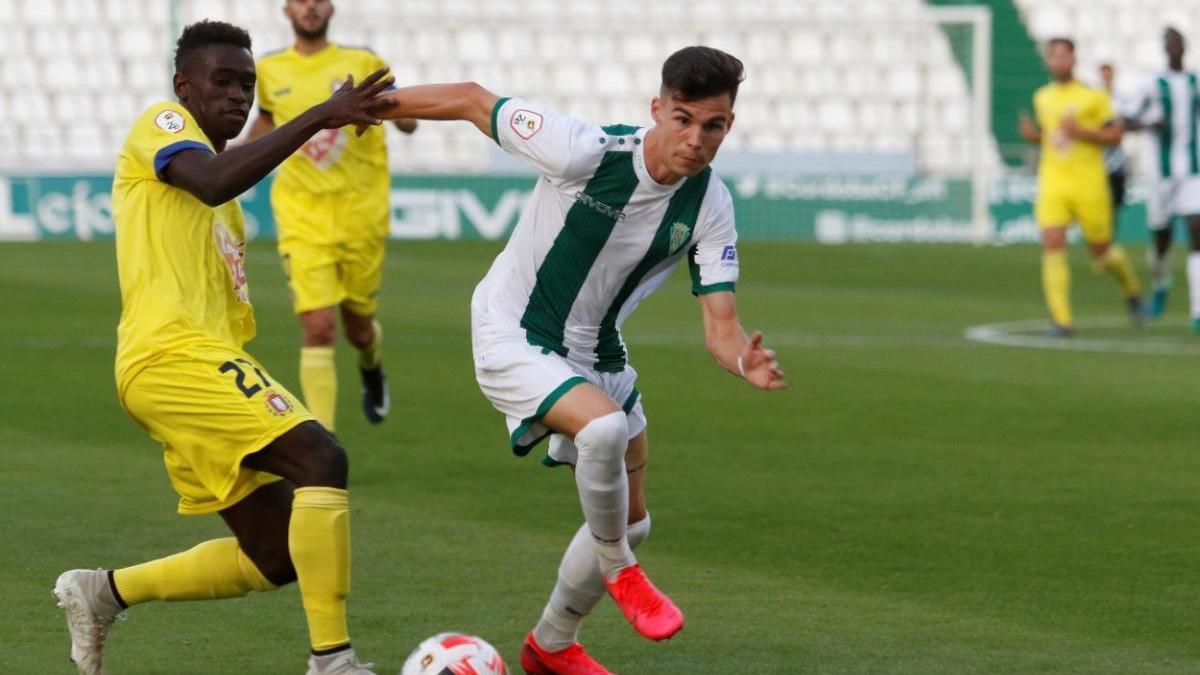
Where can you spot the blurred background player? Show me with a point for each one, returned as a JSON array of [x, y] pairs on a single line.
[[1116, 162], [1167, 107], [1074, 124], [616, 208], [235, 442], [331, 208]]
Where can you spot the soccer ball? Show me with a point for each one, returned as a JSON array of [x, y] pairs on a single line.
[[454, 654]]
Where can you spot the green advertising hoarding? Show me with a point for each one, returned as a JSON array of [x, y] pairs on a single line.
[[805, 207]]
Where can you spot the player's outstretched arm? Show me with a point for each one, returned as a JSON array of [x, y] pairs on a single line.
[[460, 101], [215, 179], [1109, 134], [732, 349]]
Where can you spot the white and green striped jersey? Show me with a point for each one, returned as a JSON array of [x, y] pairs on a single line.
[[598, 234], [1169, 100]]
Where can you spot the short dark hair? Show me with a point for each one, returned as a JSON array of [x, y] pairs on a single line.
[[693, 73], [203, 34], [1065, 41]]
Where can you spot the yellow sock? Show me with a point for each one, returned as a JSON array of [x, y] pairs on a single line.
[[319, 541], [208, 571], [1117, 264], [1056, 285], [370, 356], [318, 381]]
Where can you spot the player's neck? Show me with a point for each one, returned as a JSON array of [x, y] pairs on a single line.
[[1176, 66], [1068, 79], [309, 46], [657, 168]]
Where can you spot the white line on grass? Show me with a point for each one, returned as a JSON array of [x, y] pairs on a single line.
[[1017, 334]]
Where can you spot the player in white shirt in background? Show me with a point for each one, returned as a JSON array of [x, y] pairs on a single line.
[[614, 210], [1167, 108]]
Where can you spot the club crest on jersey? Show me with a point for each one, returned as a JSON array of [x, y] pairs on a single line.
[[526, 123], [680, 233], [170, 121], [278, 404]]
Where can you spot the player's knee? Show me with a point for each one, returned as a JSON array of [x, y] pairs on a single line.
[[360, 334], [319, 329], [330, 465], [604, 438], [273, 560]]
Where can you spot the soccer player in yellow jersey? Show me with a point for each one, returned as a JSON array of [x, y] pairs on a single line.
[[331, 209], [1074, 125], [235, 441]]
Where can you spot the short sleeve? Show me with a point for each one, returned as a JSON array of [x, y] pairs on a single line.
[[713, 259], [543, 139], [161, 133], [1145, 109]]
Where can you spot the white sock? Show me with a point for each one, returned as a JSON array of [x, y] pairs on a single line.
[[579, 587], [604, 488], [1193, 274], [1159, 267]]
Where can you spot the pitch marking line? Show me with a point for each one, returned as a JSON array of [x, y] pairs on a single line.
[[1018, 334]]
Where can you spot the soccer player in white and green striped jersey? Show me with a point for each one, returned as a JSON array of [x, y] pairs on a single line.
[[1167, 107], [615, 209]]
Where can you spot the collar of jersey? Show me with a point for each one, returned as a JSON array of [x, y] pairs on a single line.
[[639, 166]]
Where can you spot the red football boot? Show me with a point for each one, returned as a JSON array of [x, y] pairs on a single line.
[[648, 609], [570, 661]]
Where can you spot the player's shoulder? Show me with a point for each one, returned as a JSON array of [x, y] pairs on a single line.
[[358, 54], [274, 58], [168, 116], [357, 50]]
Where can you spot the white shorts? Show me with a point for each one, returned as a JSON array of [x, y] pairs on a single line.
[[523, 382], [1170, 198]]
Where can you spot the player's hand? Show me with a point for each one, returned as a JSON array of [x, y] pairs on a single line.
[[758, 365], [1027, 127], [1070, 127], [355, 104]]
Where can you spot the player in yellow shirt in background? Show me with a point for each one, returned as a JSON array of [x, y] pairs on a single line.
[[331, 205], [235, 441], [1074, 125]]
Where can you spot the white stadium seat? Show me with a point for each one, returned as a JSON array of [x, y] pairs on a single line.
[[822, 74]]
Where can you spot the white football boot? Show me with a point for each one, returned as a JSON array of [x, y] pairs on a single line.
[[344, 662], [87, 600]]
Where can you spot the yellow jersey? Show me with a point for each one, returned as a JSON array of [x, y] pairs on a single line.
[[179, 261], [333, 160], [1063, 158]]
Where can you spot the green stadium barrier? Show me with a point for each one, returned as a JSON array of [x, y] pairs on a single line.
[[803, 207]]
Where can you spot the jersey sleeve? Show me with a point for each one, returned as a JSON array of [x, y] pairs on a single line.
[[161, 133], [543, 139], [713, 259], [1145, 109]]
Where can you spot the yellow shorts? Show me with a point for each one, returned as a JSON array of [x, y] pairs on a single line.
[[331, 247], [211, 406], [1085, 202], [346, 274]]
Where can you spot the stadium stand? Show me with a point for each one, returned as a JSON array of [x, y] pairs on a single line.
[[868, 76], [1127, 35]]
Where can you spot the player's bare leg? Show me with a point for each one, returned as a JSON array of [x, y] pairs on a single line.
[[1159, 263], [1193, 270], [553, 647], [1111, 258], [1056, 279], [365, 333], [318, 374], [318, 539], [600, 432]]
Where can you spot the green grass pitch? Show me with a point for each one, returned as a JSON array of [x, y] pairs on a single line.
[[915, 503]]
